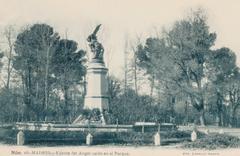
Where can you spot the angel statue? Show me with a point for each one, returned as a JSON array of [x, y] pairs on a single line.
[[96, 47]]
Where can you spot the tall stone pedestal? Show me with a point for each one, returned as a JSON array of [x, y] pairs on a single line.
[[97, 87]]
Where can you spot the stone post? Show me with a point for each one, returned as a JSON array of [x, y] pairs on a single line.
[[89, 139], [194, 136], [157, 139], [20, 138]]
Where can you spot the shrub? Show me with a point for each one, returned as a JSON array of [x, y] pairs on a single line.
[[215, 141], [8, 136], [55, 138], [176, 134], [124, 138], [94, 114]]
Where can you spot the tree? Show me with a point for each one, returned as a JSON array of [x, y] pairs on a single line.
[[190, 41], [114, 88], [222, 72], [68, 69], [34, 47], [233, 98], [145, 55], [179, 59], [135, 109], [9, 102], [10, 36], [154, 59], [133, 69]]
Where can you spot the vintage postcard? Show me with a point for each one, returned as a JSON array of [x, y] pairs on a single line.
[[119, 77]]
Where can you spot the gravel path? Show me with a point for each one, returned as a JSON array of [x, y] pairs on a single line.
[[108, 151]]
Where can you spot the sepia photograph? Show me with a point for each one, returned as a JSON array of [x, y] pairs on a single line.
[[119, 77]]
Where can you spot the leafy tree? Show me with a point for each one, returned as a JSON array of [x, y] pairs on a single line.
[[222, 72], [191, 41], [134, 109], [114, 88], [48, 67], [233, 98], [34, 47], [153, 58], [68, 69], [180, 59], [10, 108]]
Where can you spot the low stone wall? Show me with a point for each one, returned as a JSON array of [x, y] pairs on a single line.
[[101, 128], [72, 127], [30, 131]]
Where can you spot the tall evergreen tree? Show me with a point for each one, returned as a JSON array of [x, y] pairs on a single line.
[[68, 65], [34, 47]]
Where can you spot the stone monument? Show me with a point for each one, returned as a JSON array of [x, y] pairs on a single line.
[[97, 81]]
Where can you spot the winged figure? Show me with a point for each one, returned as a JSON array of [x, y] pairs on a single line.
[[96, 47]]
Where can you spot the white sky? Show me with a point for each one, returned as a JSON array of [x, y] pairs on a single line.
[[121, 19]]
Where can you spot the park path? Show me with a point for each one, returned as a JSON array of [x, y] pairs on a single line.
[[108, 151]]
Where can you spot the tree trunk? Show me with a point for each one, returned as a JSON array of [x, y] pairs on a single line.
[[8, 73], [46, 85], [186, 113], [152, 88], [28, 100], [135, 74], [233, 118], [217, 121], [202, 118], [66, 109], [220, 119], [9, 36]]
